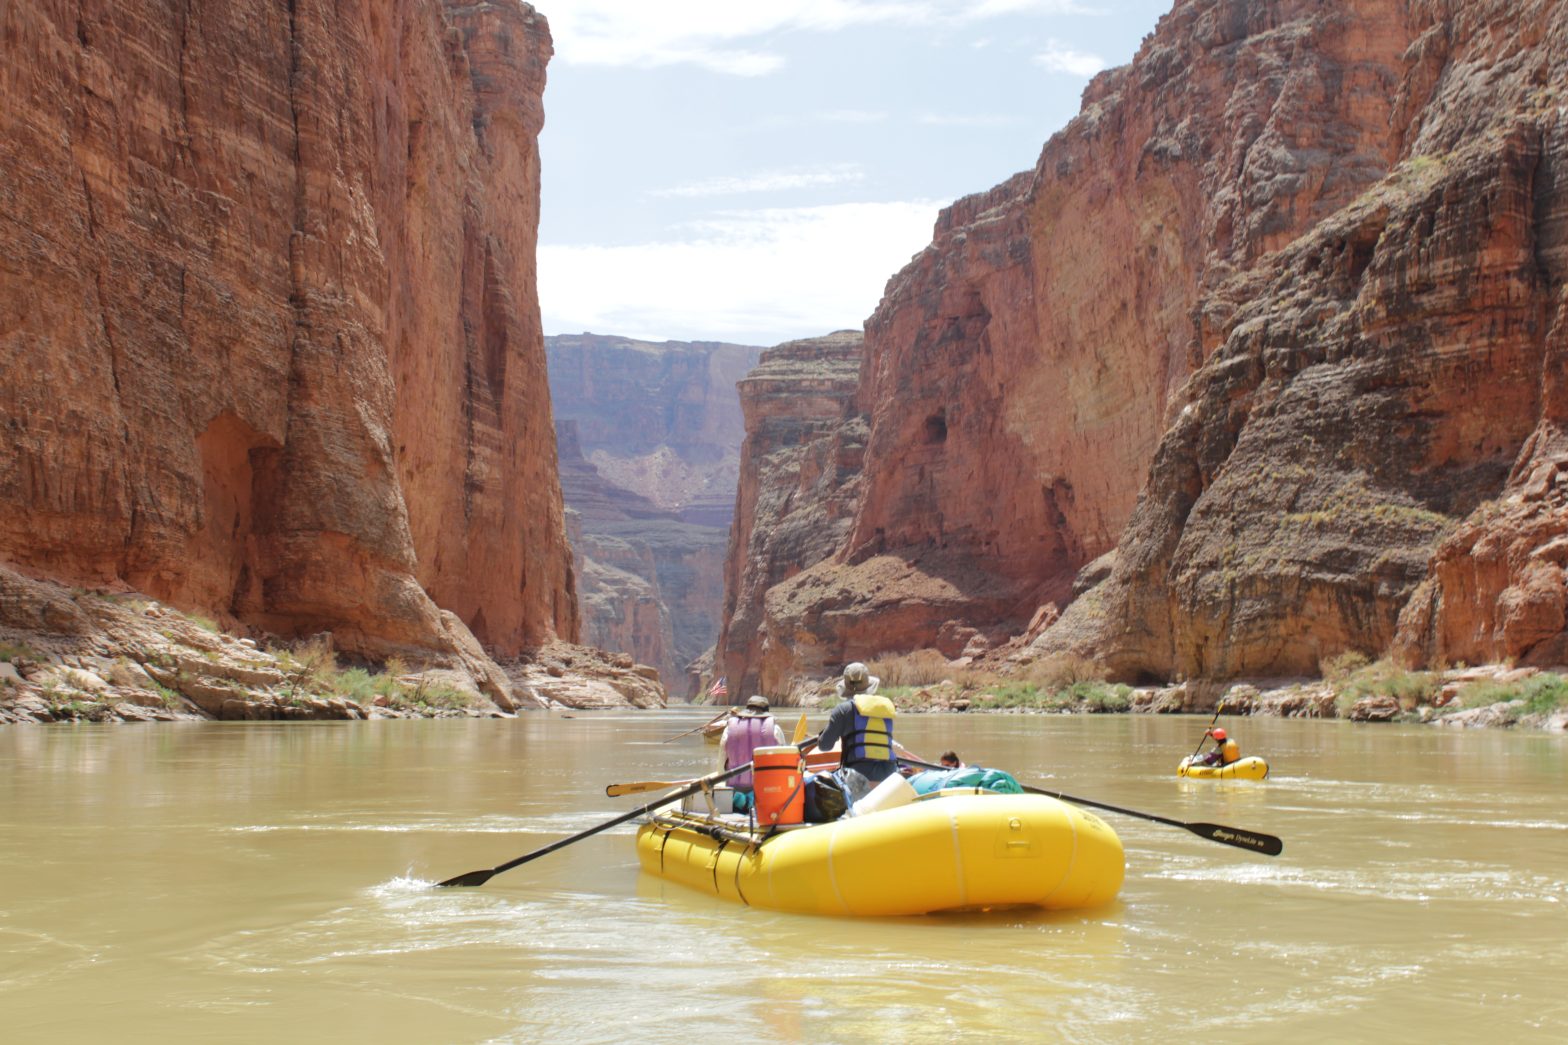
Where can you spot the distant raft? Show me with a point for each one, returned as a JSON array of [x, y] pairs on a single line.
[[1250, 768], [949, 851]]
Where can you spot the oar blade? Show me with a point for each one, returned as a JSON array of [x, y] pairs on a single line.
[[472, 878], [1252, 841], [640, 786]]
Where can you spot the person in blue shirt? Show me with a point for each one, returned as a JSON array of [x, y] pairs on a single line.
[[863, 724]]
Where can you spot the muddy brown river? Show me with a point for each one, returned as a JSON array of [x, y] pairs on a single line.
[[251, 883]]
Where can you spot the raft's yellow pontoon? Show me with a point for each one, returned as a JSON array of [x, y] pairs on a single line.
[[1250, 768], [951, 851]]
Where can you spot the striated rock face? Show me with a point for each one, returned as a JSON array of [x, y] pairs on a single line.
[[1278, 317], [799, 487], [650, 437], [1019, 372], [1375, 440], [269, 346]]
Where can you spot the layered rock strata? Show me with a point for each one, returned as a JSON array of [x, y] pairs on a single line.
[[799, 487], [1371, 455], [649, 437], [1278, 318], [269, 341]]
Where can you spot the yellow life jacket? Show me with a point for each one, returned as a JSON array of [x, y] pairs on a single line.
[[1229, 752], [872, 738]]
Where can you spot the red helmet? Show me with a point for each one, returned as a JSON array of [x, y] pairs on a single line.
[[1217, 734]]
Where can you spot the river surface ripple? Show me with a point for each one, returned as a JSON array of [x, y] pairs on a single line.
[[270, 882]]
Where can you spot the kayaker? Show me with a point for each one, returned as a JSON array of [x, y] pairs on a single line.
[[1225, 750], [863, 724], [749, 728]]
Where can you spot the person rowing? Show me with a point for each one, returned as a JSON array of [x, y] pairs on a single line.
[[1224, 752]]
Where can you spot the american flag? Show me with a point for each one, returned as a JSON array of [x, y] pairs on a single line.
[[719, 688]]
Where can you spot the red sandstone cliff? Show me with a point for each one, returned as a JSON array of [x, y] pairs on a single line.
[[269, 341], [1369, 457], [1273, 314], [798, 490]]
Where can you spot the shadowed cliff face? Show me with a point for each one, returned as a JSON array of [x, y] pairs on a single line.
[[1278, 317], [269, 345], [1383, 388], [798, 490]]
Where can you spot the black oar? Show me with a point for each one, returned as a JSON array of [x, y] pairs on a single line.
[[1253, 841], [481, 877]]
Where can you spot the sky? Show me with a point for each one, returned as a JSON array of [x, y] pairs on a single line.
[[755, 171]]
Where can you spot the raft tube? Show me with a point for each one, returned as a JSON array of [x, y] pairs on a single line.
[[946, 852], [1250, 768]]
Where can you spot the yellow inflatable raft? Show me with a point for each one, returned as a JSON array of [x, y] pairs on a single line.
[[950, 851], [1250, 768]]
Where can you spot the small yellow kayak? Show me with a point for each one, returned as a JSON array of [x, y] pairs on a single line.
[[1250, 768], [956, 850]]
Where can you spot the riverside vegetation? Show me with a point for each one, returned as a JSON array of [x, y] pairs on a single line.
[[1351, 686]]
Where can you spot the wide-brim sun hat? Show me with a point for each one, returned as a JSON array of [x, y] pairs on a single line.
[[756, 706]]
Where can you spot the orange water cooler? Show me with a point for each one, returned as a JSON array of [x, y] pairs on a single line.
[[778, 779]]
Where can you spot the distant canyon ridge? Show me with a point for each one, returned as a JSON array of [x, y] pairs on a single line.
[[649, 436], [1262, 362]]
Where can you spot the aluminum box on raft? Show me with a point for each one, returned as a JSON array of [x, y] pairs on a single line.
[[955, 850]]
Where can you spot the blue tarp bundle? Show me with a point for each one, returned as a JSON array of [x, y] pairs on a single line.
[[969, 776]]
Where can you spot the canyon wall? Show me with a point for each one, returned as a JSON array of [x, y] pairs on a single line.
[[798, 490], [269, 340], [1276, 319], [1369, 459], [650, 437]]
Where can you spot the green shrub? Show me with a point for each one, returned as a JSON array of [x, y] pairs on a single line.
[[1337, 669], [923, 667], [1062, 671], [1384, 678], [1102, 697], [10, 651], [1542, 694], [171, 699]]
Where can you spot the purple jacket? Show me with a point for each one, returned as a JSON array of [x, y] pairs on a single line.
[[743, 735]]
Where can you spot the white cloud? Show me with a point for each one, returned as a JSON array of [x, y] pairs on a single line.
[[1061, 59], [932, 119], [759, 276], [774, 181], [854, 116], [706, 33]]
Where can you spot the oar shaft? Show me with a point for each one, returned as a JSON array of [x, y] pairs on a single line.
[[475, 878], [705, 725], [1253, 841], [1217, 709]]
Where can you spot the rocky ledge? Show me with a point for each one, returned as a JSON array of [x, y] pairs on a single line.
[[72, 655], [1488, 696]]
